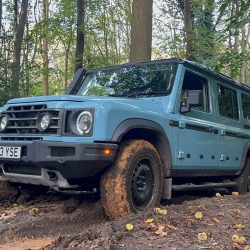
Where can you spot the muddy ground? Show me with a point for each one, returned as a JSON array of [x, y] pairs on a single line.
[[32, 218]]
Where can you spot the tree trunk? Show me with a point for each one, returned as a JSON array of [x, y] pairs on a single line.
[[66, 65], [45, 47], [141, 30], [80, 35], [189, 30], [244, 49], [237, 31], [1, 14], [18, 47]]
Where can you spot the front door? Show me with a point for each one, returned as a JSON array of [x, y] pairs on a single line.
[[198, 135]]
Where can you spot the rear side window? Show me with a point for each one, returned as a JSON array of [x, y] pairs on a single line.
[[246, 105], [228, 105]]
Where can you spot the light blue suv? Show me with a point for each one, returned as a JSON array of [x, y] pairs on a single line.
[[133, 132]]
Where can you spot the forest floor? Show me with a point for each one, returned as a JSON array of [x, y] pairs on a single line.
[[35, 219]]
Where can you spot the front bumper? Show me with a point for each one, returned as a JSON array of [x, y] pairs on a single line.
[[71, 160]]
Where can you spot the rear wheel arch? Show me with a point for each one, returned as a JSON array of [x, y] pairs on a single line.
[[245, 160]]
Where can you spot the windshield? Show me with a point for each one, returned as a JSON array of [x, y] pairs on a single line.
[[130, 80]]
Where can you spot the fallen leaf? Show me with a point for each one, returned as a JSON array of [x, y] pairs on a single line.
[[241, 240], [129, 227], [240, 226], [195, 207], [235, 193], [156, 209], [236, 211], [33, 211], [158, 220], [218, 248], [163, 212], [235, 238], [218, 195], [198, 215], [149, 220], [160, 231], [202, 236], [172, 227], [216, 220]]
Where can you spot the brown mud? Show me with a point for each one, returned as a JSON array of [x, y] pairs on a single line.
[[32, 218]]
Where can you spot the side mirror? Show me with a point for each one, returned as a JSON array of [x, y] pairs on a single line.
[[190, 98]]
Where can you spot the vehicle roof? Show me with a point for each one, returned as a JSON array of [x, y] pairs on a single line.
[[190, 64]]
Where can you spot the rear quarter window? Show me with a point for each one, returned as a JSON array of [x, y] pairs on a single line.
[[246, 105], [227, 99]]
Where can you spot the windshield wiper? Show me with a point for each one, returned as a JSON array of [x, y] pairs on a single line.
[[114, 95], [146, 93]]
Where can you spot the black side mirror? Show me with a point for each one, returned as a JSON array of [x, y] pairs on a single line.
[[80, 73], [190, 98]]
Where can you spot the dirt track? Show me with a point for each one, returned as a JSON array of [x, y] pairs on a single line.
[[39, 220]]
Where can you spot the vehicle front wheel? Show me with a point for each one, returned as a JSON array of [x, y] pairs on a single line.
[[134, 182]]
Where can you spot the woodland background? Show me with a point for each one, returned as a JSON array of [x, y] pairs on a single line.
[[43, 42]]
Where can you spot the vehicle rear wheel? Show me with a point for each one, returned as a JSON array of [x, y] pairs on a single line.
[[134, 182], [243, 184]]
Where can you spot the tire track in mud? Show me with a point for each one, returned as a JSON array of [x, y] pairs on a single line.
[[33, 214]]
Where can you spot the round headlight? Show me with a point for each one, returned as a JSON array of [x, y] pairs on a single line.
[[3, 122], [43, 121], [84, 122]]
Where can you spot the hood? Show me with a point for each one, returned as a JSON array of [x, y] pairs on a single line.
[[72, 98], [139, 103]]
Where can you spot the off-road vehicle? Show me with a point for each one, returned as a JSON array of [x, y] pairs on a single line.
[[133, 132]]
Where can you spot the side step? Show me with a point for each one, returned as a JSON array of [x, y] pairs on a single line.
[[208, 185]]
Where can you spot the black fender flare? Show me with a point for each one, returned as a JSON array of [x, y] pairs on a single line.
[[244, 158], [132, 123], [163, 145]]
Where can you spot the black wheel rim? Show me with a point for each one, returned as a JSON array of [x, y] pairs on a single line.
[[142, 184]]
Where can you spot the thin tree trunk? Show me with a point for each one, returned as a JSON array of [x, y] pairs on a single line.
[[26, 63], [189, 30], [18, 47], [1, 14], [244, 47], [141, 30], [45, 47], [66, 65], [80, 35], [237, 31]]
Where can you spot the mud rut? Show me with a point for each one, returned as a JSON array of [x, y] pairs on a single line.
[[32, 218]]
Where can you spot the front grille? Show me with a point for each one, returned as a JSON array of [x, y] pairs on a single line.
[[22, 121]]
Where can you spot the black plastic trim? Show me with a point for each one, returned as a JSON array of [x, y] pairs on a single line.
[[201, 128], [202, 173], [130, 124], [86, 161]]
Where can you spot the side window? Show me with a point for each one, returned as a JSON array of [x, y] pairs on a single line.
[[246, 105], [227, 99], [193, 82]]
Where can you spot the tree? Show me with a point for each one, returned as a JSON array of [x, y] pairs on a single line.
[[45, 47], [19, 33], [80, 34], [141, 30], [189, 30]]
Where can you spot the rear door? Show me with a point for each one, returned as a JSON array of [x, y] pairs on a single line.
[[231, 131]]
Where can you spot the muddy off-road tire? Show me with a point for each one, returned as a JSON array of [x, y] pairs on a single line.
[[243, 185], [7, 189], [134, 182]]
